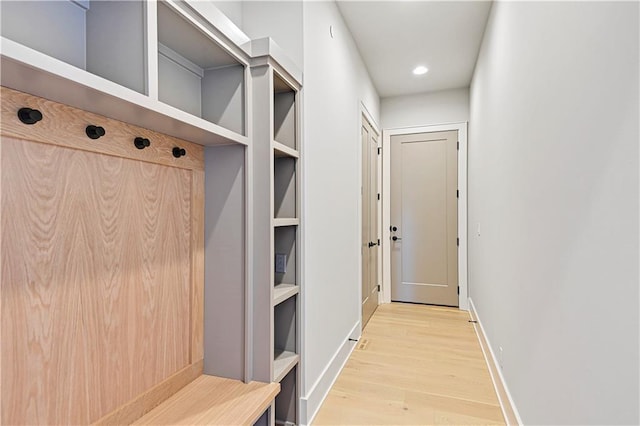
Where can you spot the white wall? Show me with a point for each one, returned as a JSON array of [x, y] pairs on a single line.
[[446, 106], [335, 81], [280, 20], [553, 186]]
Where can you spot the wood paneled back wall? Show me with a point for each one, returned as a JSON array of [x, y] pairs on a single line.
[[102, 265]]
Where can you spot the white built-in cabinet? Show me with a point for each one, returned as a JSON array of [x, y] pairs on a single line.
[[183, 69], [286, 249], [276, 157]]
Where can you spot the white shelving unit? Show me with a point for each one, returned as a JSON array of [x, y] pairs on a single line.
[[286, 222], [276, 148]]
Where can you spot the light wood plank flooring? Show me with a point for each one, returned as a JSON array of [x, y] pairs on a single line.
[[414, 365]]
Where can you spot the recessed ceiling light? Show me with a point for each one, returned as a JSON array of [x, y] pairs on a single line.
[[420, 69]]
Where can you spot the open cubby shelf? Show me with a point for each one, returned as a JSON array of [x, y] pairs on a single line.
[[284, 187], [286, 401], [285, 243], [104, 38], [196, 75], [284, 314], [284, 113]]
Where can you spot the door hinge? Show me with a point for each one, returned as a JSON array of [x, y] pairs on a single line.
[[378, 196], [458, 145], [457, 193], [378, 287], [458, 242], [458, 289], [379, 150]]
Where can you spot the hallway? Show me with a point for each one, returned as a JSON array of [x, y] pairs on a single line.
[[417, 365]]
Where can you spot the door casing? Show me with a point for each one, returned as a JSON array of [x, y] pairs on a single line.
[[463, 298], [366, 115]]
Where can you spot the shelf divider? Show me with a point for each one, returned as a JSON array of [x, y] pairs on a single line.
[[281, 150], [283, 362], [283, 291], [286, 222]]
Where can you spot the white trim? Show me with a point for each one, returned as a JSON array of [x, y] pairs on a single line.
[[311, 403], [83, 4], [364, 111], [216, 27], [499, 384], [218, 20], [301, 234], [151, 49], [462, 205], [180, 60]]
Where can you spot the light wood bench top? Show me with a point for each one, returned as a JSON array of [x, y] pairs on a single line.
[[211, 400]]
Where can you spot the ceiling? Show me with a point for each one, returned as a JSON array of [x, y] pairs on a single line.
[[395, 36]]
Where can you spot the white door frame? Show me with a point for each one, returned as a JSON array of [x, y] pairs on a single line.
[[364, 112], [463, 300]]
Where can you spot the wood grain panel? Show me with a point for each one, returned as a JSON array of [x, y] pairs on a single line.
[[96, 279], [197, 265], [211, 400], [150, 399], [68, 124]]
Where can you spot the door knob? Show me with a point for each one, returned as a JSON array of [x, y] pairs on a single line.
[[371, 244], [394, 228], [394, 238]]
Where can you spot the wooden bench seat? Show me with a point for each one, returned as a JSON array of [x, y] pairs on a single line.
[[211, 400]]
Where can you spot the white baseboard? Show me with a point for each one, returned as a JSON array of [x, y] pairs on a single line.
[[310, 404], [509, 410]]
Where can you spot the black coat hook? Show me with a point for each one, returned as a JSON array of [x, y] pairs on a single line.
[[95, 132], [179, 152], [141, 143], [29, 116]]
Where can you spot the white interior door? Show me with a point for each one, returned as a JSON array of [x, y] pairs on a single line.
[[370, 237], [424, 218]]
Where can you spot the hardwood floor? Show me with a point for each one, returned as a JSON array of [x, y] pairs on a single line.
[[414, 365]]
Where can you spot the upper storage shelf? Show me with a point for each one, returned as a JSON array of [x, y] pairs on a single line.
[[126, 60], [103, 38], [197, 75]]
